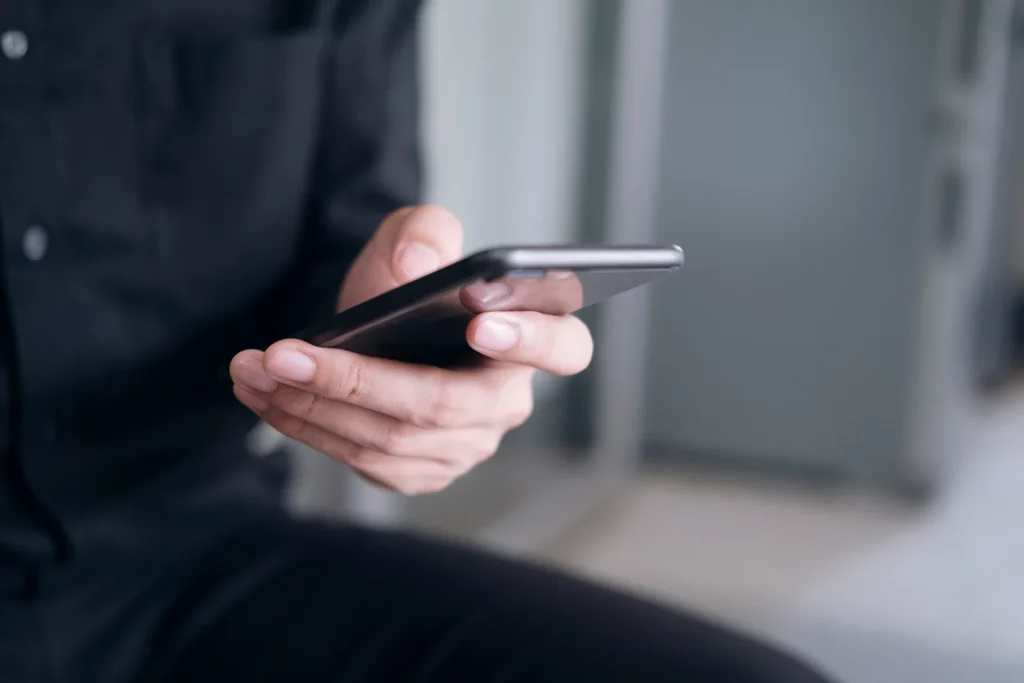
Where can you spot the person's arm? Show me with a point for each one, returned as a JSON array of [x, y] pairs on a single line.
[[368, 162]]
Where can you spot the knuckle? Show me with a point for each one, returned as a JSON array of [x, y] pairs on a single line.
[[463, 467], [364, 460], [289, 426], [445, 411], [308, 406], [398, 438], [337, 450], [442, 416], [351, 383], [521, 411], [489, 448], [484, 448], [519, 402]]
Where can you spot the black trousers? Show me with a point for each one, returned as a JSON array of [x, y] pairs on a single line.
[[255, 596]]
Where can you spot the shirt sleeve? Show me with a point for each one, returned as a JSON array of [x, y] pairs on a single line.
[[368, 163]]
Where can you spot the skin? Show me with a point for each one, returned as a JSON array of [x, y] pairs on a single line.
[[408, 428]]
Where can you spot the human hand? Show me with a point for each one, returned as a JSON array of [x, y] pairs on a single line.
[[413, 429]]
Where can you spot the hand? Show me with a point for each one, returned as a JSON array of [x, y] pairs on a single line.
[[412, 429]]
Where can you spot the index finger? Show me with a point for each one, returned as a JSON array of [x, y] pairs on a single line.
[[556, 293], [425, 396]]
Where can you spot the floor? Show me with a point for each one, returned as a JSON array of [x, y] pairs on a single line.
[[874, 591]]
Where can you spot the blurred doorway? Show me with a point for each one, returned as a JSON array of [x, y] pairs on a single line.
[[830, 168]]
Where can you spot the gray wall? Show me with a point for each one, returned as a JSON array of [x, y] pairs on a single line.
[[503, 97], [794, 158]]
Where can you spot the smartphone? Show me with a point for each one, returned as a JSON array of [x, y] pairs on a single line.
[[425, 321]]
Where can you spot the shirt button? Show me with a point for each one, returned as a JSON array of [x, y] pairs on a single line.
[[14, 44], [35, 242]]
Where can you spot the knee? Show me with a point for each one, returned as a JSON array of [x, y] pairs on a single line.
[[701, 651], [760, 663], [780, 667]]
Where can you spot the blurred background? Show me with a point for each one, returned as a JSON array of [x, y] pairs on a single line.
[[816, 430]]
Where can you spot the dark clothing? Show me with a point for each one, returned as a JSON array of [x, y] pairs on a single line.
[[180, 180], [265, 598]]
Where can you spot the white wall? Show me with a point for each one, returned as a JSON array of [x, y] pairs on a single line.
[[502, 114]]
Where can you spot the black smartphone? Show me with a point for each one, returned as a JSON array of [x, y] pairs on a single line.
[[425, 321]]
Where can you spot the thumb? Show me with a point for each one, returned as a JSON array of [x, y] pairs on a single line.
[[419, 241], [409, 243]]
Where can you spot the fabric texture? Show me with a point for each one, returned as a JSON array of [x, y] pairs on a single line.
[[179, 180]]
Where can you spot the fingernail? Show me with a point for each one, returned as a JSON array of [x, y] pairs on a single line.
[[290, 365], [250, 373], [496, 335], [489, 292], [416, 260], [250, 400]]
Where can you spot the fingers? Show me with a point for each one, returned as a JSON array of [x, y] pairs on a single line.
[[383, 433], [422, 450], [560, 345], [557, 293], [247, 370], [409, 479], [408, 476], [375, 452], [422, 396]]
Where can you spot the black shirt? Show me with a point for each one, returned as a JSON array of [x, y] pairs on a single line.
[[179, 180]]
